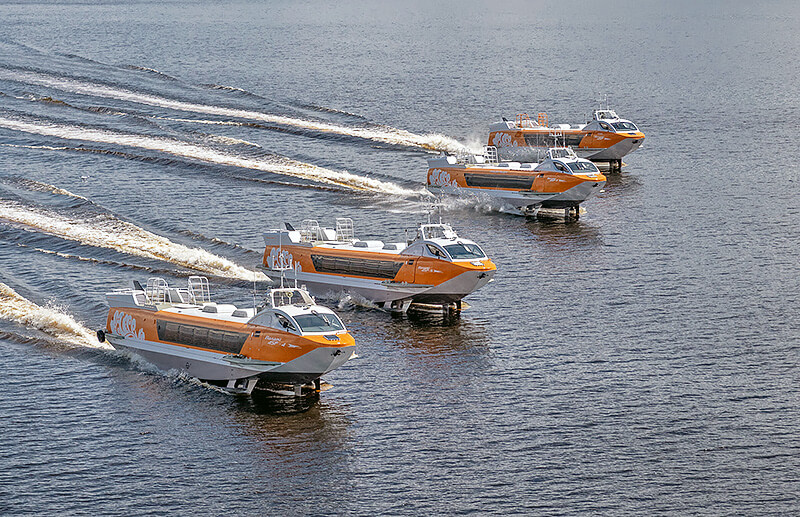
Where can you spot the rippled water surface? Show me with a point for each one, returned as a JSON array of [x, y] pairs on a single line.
[[641, 360]]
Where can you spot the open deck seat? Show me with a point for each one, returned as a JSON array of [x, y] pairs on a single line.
[[368, 244]]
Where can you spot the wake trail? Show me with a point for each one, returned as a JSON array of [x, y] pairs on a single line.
[[107, 231], [162, 161], [38, 186], [274, 164], [386, 134], [50, 320], [114, 263]]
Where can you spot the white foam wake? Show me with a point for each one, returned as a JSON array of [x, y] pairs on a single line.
[[46, 187], [51, 320], [284, 166], [107, 231], [385, 134]]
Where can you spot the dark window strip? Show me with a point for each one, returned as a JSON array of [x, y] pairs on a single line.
[[202, 337], [356, 266], [499, 180]]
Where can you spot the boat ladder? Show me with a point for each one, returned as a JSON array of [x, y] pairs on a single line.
[[541, 119], [198, 290], [309, 230], [490, 154], [344, 229], [156, 290], [523, 120]]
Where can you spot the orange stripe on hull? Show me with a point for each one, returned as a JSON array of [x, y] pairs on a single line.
[[545, 182], [262, 343], [409, 269]]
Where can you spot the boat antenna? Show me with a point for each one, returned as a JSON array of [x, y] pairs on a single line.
[[283, 263], [280, 260], [255, 303]]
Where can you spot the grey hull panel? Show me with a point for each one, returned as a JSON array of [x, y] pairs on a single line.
[[212, 366]]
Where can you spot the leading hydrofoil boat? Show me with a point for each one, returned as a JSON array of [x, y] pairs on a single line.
[[290, 340]]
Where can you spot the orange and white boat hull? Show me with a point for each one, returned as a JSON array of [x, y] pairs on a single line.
[[436, 267], [218, 342], [615, 152], [218, 366], [529, 144], [453, 290], [516, 189], [387, 291]]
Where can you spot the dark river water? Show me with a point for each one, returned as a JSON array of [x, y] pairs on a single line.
[[642, 360]]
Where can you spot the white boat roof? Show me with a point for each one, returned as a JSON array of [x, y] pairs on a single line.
[[510, 125], [196, 301], [314, 236], [374, 246], [224, 311], [564, 154]]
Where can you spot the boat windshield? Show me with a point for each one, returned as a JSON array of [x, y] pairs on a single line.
[[624, 126], [581, 167], [319, 322], [465, 251]]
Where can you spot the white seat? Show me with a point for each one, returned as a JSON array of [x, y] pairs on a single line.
[[175, 296], [368, 244]]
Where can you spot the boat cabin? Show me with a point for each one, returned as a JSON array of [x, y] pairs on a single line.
[[289, 296], [564, 159], [605, 114], [608, 120], [442, 242], [292, 309]]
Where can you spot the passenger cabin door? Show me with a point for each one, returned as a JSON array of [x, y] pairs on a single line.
[[430, 255], [412, 264], [539, 182], [413, 261]]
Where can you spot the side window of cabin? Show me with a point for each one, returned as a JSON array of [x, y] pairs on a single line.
[[414, 250], [560, 166], [268, 320], [605, 126], [435, 251], [284, 322]]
